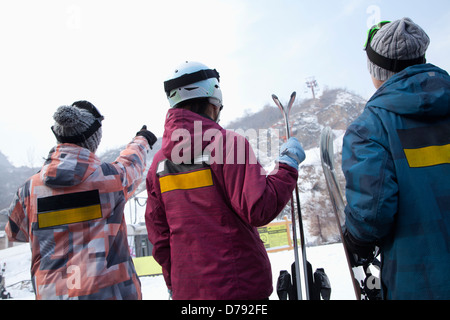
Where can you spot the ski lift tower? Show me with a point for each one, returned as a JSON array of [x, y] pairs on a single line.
[[312, 84]]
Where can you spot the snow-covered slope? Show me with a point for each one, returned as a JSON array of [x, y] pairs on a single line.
[[336, 108]]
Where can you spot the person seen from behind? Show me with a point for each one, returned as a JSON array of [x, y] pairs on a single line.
[[396, 161], [72, 212], [207, 194]]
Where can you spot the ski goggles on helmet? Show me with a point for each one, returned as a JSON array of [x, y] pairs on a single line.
[[393, 65], [190, 78], [82, 137]]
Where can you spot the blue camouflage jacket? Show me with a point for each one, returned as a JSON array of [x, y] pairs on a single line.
[[396, 161]]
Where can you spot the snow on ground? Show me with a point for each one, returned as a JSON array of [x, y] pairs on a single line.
[[329, 257]]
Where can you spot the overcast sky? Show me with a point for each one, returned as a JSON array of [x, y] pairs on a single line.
[[117, 55]]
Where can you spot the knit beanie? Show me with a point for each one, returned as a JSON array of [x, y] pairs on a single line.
[[399, 40], [73, 125]]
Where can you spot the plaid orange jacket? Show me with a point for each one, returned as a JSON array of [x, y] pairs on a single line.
[[71, 212]]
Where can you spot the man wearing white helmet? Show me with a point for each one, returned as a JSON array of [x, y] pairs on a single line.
[[206, 196]]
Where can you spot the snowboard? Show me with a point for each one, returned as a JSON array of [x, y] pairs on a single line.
[[366, 285]]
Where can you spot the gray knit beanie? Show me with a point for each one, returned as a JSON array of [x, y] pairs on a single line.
[[72, 122], [400, 40]]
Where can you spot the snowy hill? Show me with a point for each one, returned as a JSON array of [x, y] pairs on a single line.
[[336, 108], [10, 179]]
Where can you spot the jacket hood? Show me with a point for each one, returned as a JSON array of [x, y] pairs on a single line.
[[418, 91], [185, 135], [68, 165]]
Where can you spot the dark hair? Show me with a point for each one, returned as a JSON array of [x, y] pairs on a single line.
[[198, 105]]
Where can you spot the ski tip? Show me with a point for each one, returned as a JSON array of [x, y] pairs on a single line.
[[291, 101], [274, 97]]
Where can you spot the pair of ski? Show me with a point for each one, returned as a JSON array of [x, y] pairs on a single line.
[[363, 281], [285, 112]]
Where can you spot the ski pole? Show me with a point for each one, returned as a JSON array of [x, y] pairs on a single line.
[[294, 227]]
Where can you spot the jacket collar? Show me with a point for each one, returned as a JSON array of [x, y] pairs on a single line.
[[184, 131], [68, 165]]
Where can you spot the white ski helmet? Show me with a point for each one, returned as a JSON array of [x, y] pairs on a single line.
[[193, 80]]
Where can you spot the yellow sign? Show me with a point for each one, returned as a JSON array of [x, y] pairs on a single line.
[[276, 236], [147, 266]]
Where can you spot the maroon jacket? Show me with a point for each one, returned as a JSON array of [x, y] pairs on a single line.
[[202, 215]]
